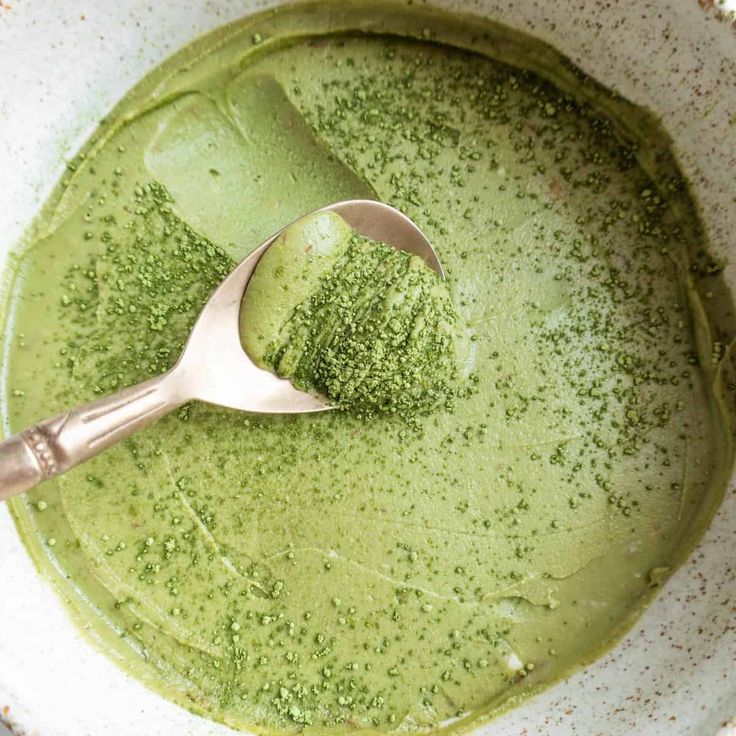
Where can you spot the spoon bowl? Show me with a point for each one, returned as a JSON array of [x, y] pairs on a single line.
[[233, 379], [213, 368]]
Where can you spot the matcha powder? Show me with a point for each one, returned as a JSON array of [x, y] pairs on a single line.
[[375, 336]]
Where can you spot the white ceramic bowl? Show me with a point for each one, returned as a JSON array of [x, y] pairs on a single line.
[[65, 64]]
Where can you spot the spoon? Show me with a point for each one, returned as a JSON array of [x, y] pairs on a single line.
[[213, 368]]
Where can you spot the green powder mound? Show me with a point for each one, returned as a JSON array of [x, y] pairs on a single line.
[[366, 325]]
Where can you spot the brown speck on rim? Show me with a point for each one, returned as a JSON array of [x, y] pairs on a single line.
[[555, 188], [5, 720]]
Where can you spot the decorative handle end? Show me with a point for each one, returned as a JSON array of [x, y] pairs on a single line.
[[20, 466], [58, 444]]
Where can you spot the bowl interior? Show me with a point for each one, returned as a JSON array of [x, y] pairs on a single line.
[[66, 64]]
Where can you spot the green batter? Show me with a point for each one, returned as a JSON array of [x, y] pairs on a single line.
[[369, 327], [338, 573]]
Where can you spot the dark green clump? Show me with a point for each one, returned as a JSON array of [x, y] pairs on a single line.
[[376, 337]]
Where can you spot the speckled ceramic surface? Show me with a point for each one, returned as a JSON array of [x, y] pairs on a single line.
[[65, 64]]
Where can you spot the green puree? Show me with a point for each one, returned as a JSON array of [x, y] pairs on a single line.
[[368, 326], [340, 574]]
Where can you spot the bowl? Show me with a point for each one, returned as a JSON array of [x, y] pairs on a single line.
[[66, 64]]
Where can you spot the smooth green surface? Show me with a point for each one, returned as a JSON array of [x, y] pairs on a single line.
[[342, 574], [286, 276], [369, 327]]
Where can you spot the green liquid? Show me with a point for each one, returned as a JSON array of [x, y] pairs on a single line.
[[327, 571]]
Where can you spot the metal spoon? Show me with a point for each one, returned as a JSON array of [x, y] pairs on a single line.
[[213, 368]]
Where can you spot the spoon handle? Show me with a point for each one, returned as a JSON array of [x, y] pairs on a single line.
[[58, 444]]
